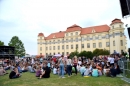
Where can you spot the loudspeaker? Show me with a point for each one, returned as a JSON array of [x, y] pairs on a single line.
[[125, 7], [128, 31]]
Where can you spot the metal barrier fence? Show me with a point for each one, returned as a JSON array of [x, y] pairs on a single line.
[[125, 67]]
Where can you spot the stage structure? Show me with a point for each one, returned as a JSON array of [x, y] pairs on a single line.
[[7, 52]]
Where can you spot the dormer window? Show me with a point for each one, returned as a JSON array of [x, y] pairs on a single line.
[[40, 37], [76, 33]]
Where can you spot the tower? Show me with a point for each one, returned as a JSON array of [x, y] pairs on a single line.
[[117, 38], [41, 44]]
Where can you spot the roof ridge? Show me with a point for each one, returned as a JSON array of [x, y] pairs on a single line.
[[94, 26]]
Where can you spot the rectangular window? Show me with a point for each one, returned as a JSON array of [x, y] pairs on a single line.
[[46, 54], [50, 53], [58, 47], [62, 40], [71, 46], [121, 42], [82, 38], [107, 36], [62, 46], [100, 44], [88, 45], [82, 45], [46, 48], [99, 37], [71, 34], [76, 46], [113, 35], [54, 53], [50, 47], [107, 44], [94, 45], [53, 47], [58, 52], [62, 53], [67, 53], [71, 39], [40, 48], [113, 43], [76, 33], [66, 40], [58, 41], [76, 39], [67, 47], [88, 38]]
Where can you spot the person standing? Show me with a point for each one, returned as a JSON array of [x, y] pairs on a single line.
[[75, 62], [69, 67], [61, 63]]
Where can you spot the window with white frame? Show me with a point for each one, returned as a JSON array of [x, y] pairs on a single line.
[[67, 46], [113, 43], [100, 44], [40, 48], [71, 46], [100, 37], [76, 33], [76, 39], [107, 44], [82, 45], [107, 36], [88, 38], [82, 38], [46, 48], [93, 37], [53, 47], [94, 45], [62, 46], [71, 34], [121, 41], [88, 45], [50, 47], [58, 47]]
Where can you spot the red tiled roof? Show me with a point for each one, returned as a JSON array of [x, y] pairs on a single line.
[[73, 28], [116, 21], [40, 34], [59, 34], [97, 29]]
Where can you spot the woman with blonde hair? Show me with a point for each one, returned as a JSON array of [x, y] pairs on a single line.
[[75, 62]]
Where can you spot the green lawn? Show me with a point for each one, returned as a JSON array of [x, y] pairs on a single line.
[[29, 79]]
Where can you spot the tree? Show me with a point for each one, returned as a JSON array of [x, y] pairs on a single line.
[[19, 46], [75, 53], [83, 53], [1, 43], [89, 54]]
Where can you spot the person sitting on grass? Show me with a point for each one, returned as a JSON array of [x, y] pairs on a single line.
[[38, 71], [2, 71], [95, 71], [112, 71], [14, 73], [82, 69], [46, 72]]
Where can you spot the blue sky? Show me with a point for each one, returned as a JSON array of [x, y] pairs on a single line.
[[27, 18]]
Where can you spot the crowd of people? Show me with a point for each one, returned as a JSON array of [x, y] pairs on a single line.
[[61, 66]]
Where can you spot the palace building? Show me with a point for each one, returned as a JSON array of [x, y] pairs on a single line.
[[75, 37]]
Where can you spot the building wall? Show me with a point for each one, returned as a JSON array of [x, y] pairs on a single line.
[[71, 39]]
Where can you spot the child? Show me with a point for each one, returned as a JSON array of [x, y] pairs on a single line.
[[95, 71]]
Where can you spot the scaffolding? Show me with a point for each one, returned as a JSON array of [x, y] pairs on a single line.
[[7, 52]]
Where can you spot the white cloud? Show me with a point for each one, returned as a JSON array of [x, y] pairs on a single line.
[[26, 18]]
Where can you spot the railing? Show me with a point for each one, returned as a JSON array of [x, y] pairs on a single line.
[[125, 67]]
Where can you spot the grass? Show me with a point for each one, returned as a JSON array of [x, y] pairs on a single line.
[[29, 79]]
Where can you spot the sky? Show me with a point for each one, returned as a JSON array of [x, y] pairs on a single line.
[[27, 18]]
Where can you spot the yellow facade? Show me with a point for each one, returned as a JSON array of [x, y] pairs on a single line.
[[111, 40]]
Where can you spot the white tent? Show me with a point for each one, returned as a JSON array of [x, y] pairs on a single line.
[[57, 55]]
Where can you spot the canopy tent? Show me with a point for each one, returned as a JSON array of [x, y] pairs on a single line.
[[57, 55]]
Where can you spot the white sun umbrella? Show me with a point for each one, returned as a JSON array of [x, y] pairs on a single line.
[[57, 55]]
